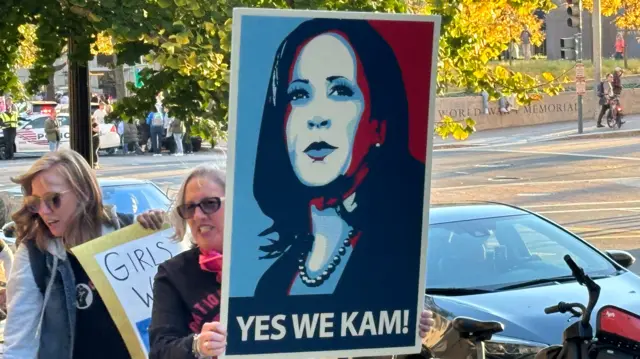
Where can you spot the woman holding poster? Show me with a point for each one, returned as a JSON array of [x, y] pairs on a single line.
[[186, 309], [54, 310], [186, 289]]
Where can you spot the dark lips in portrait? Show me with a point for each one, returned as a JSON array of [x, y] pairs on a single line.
[[318, 151]]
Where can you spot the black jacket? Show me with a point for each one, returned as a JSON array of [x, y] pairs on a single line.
[[185, 297]]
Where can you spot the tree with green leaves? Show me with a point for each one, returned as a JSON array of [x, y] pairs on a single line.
[[191, 40]]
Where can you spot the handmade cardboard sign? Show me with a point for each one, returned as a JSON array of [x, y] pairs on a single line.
[[122, 266]]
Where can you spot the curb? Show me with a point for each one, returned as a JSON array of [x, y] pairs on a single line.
[[448, 146], [607, 134]]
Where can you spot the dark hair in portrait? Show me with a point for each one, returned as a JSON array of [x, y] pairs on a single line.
[[390, 197]]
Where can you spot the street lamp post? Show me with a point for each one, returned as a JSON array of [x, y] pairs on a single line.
[[571, 49]]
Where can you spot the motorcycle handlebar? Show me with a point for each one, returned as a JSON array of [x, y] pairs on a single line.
[[552, 309], [578, 273], [563, 307], [592, 287]]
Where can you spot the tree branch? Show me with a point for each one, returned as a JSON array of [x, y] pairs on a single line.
[[57, 68], [80, 11]]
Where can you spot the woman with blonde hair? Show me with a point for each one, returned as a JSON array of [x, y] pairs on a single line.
[[186, 290], [54, 311]]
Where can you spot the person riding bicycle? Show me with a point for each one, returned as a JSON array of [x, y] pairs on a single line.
[[605, 93]]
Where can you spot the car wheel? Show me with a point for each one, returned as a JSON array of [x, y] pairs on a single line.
[[111, 151], [3, 153]]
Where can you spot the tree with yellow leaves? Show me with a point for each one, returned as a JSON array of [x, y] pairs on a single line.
[[626, 12]]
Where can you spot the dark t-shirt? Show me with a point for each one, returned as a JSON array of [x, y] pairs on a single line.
[[96, 334], [185, 298]]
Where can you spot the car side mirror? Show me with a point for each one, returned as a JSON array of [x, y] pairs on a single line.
[[623, 258]]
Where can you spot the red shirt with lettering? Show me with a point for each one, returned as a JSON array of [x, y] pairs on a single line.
[[184, 298]]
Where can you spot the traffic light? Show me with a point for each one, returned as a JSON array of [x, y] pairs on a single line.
[[568, 48], [573, 10], [138, 79]]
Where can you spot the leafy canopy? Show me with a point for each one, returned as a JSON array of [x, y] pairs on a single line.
[[190, 39], [626, 12]]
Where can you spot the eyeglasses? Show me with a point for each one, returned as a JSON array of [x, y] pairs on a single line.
[[53, 200], [208, 206]]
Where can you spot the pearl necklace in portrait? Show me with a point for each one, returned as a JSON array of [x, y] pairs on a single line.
[[331, 267]]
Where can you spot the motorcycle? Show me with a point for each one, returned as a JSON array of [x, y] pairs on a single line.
[[614, 113], [471, 332], [617, 334]]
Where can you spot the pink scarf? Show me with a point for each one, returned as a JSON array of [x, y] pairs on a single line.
[[211, 261]]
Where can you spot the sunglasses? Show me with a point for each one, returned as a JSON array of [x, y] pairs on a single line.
[[208, 206], [52, 200]]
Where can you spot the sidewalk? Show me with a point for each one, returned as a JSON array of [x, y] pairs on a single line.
[[540, 133]]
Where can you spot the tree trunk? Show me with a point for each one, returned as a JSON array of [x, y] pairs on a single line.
[[51, 87], [624, 53], [121, 90]]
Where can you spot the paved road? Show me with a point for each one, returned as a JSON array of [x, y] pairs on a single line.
[[590, 186], [166, 171]]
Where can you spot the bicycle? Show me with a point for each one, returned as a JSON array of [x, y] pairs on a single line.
[[614, 113], [579, 341]]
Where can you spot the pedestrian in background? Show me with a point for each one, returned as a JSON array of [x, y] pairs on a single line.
[[617, 81], [52, 131], [121, 125], [10, 123], [605, 93], [619, 45], [54, 311], [525, 36], [178, 131], [156, 121], [95, 141], [131, 139]]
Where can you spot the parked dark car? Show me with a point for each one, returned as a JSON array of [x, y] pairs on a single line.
[[499, 262]]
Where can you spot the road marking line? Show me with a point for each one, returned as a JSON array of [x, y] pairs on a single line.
[[590, 210], [552, 153], [580, 204], [532, 183], [612, 237]]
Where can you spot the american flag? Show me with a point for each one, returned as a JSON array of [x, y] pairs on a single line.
[[31, 136], [27, 135]]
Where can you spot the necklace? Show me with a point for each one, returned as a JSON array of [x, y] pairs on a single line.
[[331, 267]]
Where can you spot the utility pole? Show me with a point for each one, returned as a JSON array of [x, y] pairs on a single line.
[[79, 107], [571, 49], [596, 24]]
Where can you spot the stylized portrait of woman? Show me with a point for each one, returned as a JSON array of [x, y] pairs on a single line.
[[333, 168]]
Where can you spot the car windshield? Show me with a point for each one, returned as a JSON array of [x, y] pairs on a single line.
[[498, 252], [135, 198]]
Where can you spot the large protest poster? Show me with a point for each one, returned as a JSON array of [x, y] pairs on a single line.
[[331, 123], [122, 266]]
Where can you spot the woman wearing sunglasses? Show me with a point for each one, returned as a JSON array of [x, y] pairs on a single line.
[[186, 291], [54, 311]]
